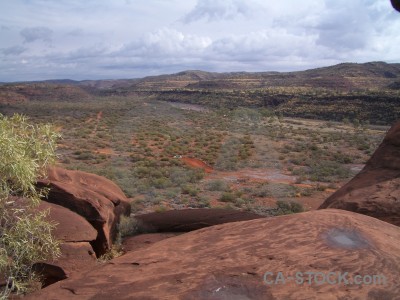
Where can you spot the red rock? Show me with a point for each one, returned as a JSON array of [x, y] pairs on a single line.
[[75, 258], [375, 191], [229, 261], [136, 242], [97, 199], [71, 227], [75, 235], [191, 219]]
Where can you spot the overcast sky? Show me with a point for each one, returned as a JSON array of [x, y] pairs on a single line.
[[98, 39]]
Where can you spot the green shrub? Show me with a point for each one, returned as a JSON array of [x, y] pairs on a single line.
[[203, 202], [227, 197], [261, 191], [189, 190], [288, 207], [127, 226], [327, 171], [26, 151], [217, 185]]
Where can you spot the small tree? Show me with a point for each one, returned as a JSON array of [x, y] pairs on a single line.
[[26, 151]]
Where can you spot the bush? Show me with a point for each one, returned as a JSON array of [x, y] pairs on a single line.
[[227, 197], [217, 185], [288, 207], [189, 190], [26, 151], [127, 226], [261, 191], [327, 171]]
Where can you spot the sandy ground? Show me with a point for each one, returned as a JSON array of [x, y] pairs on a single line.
[[239, 177]]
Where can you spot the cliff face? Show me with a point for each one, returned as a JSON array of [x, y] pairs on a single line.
[[375, 191]]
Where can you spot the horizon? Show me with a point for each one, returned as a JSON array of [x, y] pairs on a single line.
[[98, 40], [182, 71]]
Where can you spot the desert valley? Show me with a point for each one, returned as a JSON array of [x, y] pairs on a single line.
[[195, 185]]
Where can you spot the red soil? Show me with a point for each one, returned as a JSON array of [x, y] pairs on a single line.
[[196, 163], [98, 118], [241, 177], [107, 151]]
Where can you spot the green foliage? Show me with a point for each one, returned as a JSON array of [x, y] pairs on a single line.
[[26, 151], [217, 185], [262, 190], [227, 197], [288, 207], [189, 190], [326, 170], [127, 226]]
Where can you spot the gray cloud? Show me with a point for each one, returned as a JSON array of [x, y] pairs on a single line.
[[99, 39], [76, 32], [216, 10], [14, 50], [344, 26], [32, 34]]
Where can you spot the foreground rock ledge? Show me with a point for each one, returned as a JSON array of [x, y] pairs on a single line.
[[375, 191], [98, 200], [229, 261]]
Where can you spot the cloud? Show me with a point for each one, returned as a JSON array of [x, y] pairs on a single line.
[[14, 50], [114, 39], [215, 10], [87, 53], [166, 42], [32, 34], [261, 45], [341, 28], [76, 32]]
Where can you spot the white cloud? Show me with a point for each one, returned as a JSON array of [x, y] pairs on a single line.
[[166, 42], [263, 44]]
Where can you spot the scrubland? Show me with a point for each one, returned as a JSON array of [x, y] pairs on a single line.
[[166, 156]]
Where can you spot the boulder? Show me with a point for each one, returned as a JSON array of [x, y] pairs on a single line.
[[375, 191], [70, 227], [75, 235], [97, 199], [244, 260]]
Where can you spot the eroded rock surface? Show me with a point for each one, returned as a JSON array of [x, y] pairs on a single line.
[[229, 261], [185, 220], [97, 199], [375, 191], [75, 235]]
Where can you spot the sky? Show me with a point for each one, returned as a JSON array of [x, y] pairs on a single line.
[[98, 39]]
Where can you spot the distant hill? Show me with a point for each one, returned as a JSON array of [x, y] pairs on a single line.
[[346, 76], [39, 91], [368, 91]]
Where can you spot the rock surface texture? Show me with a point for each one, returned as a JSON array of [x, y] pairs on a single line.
[[229, 261], [191, 219], [375, 191], [98, 200], [75, 235], [86, 209]]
